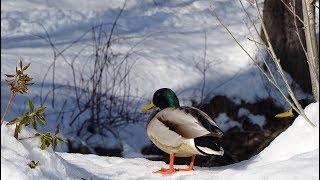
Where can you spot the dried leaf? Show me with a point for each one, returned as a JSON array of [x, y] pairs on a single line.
[[9, 81], [20, 63], [33, 164], [47, 140], [26, 67], [40, 110], [24, 120], [29, 84], [41, 119], [43, 144], [31, 106], [27, 123], [15, 120], [16, 132], [9, 75], [57, 129], [55, 143], [62, 140], [34, 123]]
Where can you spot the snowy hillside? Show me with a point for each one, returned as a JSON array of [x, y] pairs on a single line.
[[292, 155], [165, 40]]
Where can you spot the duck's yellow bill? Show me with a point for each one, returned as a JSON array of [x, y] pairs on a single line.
[[147, 107], [285, 114]]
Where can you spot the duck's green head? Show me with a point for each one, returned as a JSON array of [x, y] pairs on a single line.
[[291, 112], [162, 99]]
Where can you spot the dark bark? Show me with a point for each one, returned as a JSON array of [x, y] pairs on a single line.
[[280, 25]]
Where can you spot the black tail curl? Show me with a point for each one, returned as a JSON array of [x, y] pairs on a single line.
[[209, 142]]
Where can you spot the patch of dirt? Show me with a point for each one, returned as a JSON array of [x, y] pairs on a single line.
[[101, 151]]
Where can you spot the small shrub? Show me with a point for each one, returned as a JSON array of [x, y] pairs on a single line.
[[28, 117], [32, 164], [19, 83]]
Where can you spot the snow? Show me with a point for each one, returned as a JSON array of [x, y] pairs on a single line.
[[225, 123], [303, 139], [294, 154], [260, 120], [243, 112], [171, 37]]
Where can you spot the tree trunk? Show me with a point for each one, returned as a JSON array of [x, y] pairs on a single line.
[[279, 22], [312, 50]]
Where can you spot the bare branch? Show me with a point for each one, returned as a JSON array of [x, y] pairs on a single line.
[[295, 105], [277, 63], [293, 11], [312, 48]]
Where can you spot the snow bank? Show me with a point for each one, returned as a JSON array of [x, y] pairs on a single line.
[[16, 155], [294, 154], [299, 138]]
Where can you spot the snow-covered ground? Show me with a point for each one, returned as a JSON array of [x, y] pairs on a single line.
[[292, 155], [170, 38]]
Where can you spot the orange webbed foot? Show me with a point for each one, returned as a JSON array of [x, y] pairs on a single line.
[[190, 168], [171, 168], [186, 169], [165, 171]]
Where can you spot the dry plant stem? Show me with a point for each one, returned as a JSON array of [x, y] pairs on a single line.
[[311, 42], [271, 52], [280, 71], [204, 66], [28, 137], [264, 60], [253, 40], [273, 81], [312, 67], [8, 106], [263, 44], [297, 29], [295, 15], [308, 23], [254, 61], [256, 43]]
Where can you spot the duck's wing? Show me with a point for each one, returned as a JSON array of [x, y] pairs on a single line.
[[160, 134], [187, 122], [154, 113], [205, 121]]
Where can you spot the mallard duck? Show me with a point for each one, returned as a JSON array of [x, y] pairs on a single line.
[[181, 131], [291, 112]]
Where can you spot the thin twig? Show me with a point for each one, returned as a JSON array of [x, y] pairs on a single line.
[[7, 108], [27, 137], [277, 62], [295, 15], [264, 46], [253, 40], [311, 43]]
